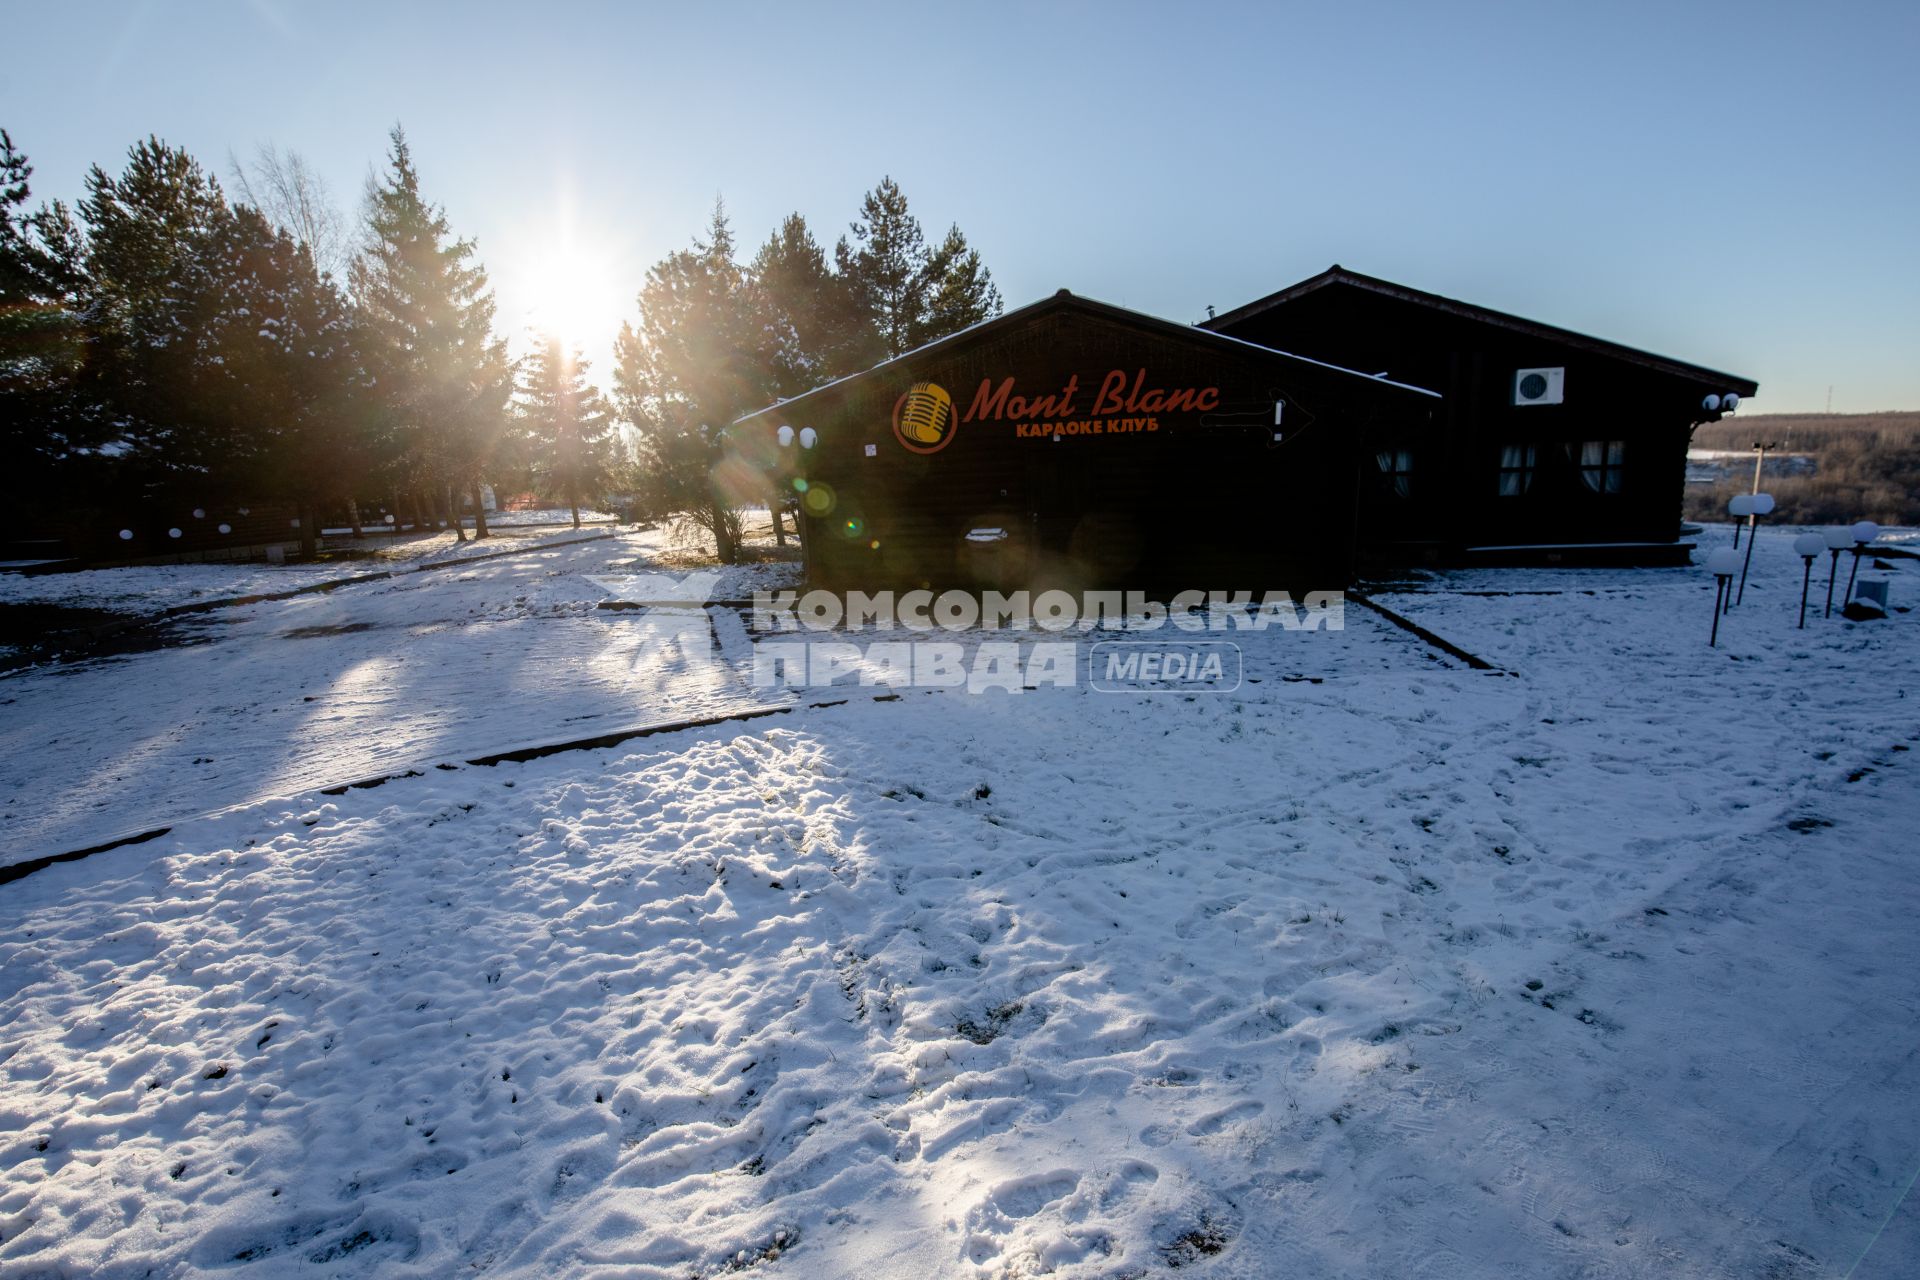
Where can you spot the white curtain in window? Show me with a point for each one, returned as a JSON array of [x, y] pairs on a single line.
[[1397, 466], [1601, 466], [1516, 470]]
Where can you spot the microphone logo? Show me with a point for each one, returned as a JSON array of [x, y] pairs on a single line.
[[923, 418]]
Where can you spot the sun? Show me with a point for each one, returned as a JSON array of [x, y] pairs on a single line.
[[574, 296]]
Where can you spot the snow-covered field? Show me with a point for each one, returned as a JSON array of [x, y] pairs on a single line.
[[272, 698], [1377, 966]]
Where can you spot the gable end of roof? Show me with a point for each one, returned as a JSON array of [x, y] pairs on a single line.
[[1338, 276]]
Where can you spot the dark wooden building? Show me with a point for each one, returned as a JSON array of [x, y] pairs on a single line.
[[1074, 444], [1549, 446]]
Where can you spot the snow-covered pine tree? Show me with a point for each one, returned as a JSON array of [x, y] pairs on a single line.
[[279, 373], [567, 427], [41, 340], [426, 319], [145, 233]]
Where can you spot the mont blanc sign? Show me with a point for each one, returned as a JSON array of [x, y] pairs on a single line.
[[926, 417]]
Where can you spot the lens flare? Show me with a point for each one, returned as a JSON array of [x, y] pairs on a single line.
[[818, 500], [853, 526]]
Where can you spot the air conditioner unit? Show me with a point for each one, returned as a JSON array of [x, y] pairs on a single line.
[[1539, 386]]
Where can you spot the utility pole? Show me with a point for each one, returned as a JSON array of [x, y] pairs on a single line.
[[1760, 457]]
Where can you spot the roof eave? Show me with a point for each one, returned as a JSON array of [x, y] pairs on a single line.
[[1063, 300], [1486, 315]]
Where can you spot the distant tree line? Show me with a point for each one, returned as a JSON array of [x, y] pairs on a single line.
[[1865, 467], [165, 342]]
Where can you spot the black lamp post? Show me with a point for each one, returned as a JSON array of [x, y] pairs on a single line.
[[1863, 533], [1761, 505], [1837, 540], [1721, 562], [1807, 546], [1739, 506]]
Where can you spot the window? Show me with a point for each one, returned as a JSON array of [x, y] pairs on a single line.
[[1603, 465], [1516, 470], [1396, 468]]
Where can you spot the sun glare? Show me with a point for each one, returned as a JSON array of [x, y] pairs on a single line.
[[573, 297]]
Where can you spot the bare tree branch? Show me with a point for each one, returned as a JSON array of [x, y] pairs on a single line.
[[282, 185]]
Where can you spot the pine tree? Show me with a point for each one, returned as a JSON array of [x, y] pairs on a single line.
[[566, 425], [279, 371], [812, 328], [692, 367], [426, 317], [912, 295], [959, 290], [146, 231], [41, 338], [884, 265]]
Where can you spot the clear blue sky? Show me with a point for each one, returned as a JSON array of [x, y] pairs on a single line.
[[1736, 185]]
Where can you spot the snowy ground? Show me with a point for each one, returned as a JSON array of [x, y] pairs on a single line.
[[1377, 966], [145, 589], [272, 698]]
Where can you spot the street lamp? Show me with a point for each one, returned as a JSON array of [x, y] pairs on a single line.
[[1837, 540], [1862, 533], [1807, 546], [1721, 562], [1761, 505], [1740, 504]]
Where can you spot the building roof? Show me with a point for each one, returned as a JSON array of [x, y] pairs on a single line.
[[1065, 301], [1339, 276]]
